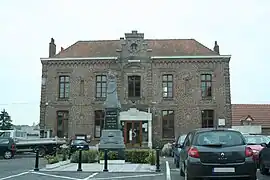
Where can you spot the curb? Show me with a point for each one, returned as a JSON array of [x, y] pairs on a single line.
[[113, 162], [56, 165]]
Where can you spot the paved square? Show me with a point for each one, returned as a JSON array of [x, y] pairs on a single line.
[[32, 175]]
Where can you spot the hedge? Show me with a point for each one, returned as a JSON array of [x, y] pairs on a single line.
[[89, 156], [145, 156]]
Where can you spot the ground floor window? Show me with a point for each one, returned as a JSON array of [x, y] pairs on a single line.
[[99, 122], [62, 124], [168, 124], [207, 118]]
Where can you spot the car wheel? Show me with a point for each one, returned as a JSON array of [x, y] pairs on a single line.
[[187, 176], [263, 170], [8, 155]]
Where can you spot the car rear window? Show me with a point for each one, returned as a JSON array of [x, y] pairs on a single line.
[[256, 139], [219, 138], [78, 141]]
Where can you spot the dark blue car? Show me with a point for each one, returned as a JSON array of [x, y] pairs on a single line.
[[177, 149], [77, 144]]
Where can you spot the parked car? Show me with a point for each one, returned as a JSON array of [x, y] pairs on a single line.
[[7, 147], [255, 143], [216, 153], [264, 159], [77, 144], [176, 149]]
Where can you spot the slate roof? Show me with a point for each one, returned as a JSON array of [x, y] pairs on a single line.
[[260, 113], [160, 47]]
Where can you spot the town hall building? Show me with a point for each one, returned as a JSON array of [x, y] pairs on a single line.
[[166, 87]]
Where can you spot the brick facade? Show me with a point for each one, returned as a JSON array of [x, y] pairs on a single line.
[[187, 102]]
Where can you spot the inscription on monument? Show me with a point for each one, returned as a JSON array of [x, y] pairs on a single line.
[[111, 119]]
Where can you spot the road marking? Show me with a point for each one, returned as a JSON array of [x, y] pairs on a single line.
[[56, 176], [134, 176], [168, 171], [15, 175], [91, 176]]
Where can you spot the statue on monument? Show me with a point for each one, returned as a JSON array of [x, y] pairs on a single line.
[[112, 97]]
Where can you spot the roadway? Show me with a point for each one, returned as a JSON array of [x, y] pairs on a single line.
[[20, 163], [21, 168]]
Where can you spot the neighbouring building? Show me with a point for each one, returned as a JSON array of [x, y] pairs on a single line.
[[252, 114], [166, 87]]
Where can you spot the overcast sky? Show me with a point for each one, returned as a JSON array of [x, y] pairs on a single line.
[[241, 28]]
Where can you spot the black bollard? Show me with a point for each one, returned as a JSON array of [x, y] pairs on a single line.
[[105, 161], [80, 161], [157, 161], [37, 160], [55, 151]]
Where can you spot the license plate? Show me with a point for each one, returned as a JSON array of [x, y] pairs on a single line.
[[224, 170], [79, 146]]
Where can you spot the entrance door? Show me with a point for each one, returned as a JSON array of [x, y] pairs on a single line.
[[133, 133]]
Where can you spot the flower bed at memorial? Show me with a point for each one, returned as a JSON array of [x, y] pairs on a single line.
[[137, 156]]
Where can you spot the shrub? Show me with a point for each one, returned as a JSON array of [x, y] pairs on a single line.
[[151, 159], [89, 156], [128, 155], [112, 155], [139, 156], [52, 159]]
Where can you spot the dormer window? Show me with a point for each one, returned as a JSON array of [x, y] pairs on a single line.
[[247, 121]]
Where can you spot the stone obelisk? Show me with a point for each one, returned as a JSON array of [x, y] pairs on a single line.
[[112, 136]]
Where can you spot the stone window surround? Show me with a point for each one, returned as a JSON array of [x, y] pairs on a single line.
[[212, 84], [59, 74], [65, 119], [174, 115], [101, 75], [98, 73], [126, 75], [65, 83], [173, 80], [165, 71], [214, 113], [137, 80]]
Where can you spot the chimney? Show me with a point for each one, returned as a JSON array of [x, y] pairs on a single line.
[[216, 48], [52, 48], [62, 49]]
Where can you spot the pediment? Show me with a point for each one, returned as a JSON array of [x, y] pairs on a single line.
[[247, 119], [135, 114]]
